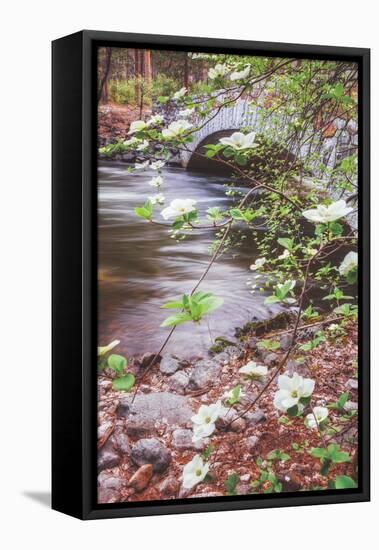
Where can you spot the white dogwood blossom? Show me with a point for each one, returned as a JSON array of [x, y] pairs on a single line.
[[240, 141], [141, 165], [240, 75], [159, 198], [155, 120], [312, 420], [254, 371], [176, 128], [291, 390], [157, 165], [185, 113], [204, 421], [137, 126], [326, 214], [194, 472], [218, 71], [156, 182], [259, 262], [180, 93], [178, 207], [143, 145], [349, 262]]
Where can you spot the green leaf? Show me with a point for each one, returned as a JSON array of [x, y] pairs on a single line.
[[271, 300], [124, 383], [293, 411], [117, 362], [210, 304], [172, 305], [231, 484], [177, 319], [318, 452], [142, 212], [344, 482], [286, 242]]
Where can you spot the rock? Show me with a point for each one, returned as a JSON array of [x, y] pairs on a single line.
[[352, 384], [151, 451], [183, 492], [146, 360], [139, 426], [230, 353], [107, 457], [270, 359], [253, 418], [242, 488], [286, 341], [245, 477], [169, 364], [106, 481], [204, 374], [251, 443], [225, 419], [178, 382], [169, 487], [103, 429], [121, 443], [141, 478], [238, 425], [351, 406], [107, 496], [149, 408], [182, 440]]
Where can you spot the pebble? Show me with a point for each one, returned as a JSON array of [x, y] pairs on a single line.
[[141, 478], [204, 374], [107, 457], [178, 382], [182, 440], [251, 443], [151, 451], [169, 364], [255, 417], [107, 496], [352, 384], [169, 487]]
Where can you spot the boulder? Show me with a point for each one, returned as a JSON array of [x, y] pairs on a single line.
[[205, 374], [151, 451], [149, 408], [182, 440]]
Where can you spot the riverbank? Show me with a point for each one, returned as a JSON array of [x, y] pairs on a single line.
[[155, 428]]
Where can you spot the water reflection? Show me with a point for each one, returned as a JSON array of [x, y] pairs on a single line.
[[141, 267]]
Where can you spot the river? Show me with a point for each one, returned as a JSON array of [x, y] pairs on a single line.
[[141, 267]]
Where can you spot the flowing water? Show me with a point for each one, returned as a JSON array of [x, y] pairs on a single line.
[[141, 267]]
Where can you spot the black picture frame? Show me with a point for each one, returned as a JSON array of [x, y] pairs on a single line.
[[75, 285]]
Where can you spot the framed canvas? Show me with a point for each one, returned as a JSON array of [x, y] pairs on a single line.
[[210, 274]]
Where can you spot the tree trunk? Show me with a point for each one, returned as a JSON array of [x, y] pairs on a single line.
[[186, 71], [103, 86], [147, 67], [137, 75]]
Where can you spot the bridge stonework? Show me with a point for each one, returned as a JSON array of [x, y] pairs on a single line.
[[338, 140]]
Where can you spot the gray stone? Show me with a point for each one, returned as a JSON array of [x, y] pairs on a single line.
[[182, 440], [169, 364], [286, 341], [121, 443], [243, 488], [178, 382], [138, 426], [169, 487], [251, 443], [151, 451], [106, 481], [352, 384], [255, 417], [270, 359], [351, 406], [205, 374], [210, 494], [107, 457], [148, 408], [107, 496], [238, 425]]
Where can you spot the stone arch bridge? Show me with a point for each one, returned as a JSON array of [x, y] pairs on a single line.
[[339, 139]]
